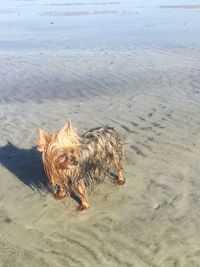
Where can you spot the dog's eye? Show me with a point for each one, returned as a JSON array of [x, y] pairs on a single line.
[[63, 156]]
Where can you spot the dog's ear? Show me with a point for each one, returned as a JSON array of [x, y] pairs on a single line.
[[44, 139], [69, 127], [67, 136]]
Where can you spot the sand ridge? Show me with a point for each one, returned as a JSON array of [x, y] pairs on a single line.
[[151, 223]]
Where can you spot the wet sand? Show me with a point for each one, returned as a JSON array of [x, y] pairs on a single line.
[[134, 67]]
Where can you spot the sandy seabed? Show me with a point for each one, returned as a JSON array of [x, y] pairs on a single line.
[[151, 94]]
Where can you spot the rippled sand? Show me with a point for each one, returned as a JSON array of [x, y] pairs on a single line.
[[142, 78]]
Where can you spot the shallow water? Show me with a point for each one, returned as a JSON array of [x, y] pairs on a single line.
[[43, 26], [134, 66]]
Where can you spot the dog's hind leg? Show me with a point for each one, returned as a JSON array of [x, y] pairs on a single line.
[[82, 194], [119, 171], [121, 180]]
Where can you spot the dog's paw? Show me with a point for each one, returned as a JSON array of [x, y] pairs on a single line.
[[82, 207], [59, 195], [120, 181]]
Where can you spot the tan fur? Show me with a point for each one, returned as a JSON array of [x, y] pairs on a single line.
[[76, 164]]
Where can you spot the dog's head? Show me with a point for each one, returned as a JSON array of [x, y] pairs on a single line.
[[60, 153]]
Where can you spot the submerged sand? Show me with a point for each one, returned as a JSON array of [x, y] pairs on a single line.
[[151, 94]]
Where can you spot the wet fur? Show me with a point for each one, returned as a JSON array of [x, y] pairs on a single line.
[[75, 164], [100, 154]]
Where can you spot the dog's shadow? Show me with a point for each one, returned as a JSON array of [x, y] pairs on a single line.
[[26, 165]]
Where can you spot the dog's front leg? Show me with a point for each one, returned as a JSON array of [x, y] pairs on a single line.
[[82, 194], [60, 192]]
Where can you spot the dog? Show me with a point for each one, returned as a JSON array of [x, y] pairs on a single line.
[[74, 164]]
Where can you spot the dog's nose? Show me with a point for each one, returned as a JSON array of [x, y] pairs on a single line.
[[75, 162]]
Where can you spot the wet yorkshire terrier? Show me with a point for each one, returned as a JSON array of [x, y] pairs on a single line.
[[75, 164]]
